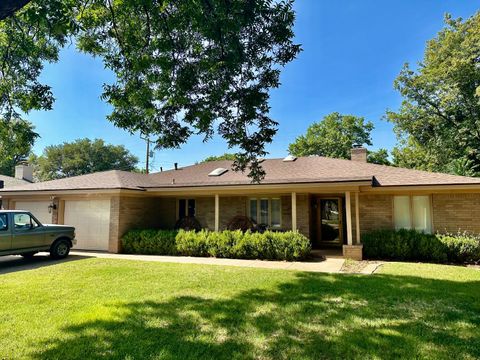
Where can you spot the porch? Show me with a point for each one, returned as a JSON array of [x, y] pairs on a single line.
[[331, 220]]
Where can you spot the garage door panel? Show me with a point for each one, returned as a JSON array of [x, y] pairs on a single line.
[[39, 209], [91, 219]]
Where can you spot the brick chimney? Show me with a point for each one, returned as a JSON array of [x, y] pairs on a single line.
[[24, 172], [358, 153]]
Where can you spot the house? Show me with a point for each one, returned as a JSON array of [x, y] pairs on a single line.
[[23, 176], [331, 201]]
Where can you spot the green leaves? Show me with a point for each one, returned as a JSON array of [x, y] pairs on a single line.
[[16, 140], [334, 136], [83, 156], [439, 119]]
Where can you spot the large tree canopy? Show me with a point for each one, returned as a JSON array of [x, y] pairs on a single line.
[[438, 123], [16, 140], [182, 67], [83, 156]]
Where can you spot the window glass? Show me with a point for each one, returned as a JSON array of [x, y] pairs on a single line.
[[421, 214], [276, 212], [3, 222], [191, 207], [264, 211], [253, 210], [23, 222], [182, 208], [401, 210]]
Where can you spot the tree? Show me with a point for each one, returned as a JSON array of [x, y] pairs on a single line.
[[379, 157], [225, 156], [83, 156], [334, 136], [182, 67], [438, 123], [16, 140]]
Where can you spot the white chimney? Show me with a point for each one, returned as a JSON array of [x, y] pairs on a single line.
[[358, 153], [24, 172]]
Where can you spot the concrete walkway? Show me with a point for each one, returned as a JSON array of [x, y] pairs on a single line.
[[329, 265]]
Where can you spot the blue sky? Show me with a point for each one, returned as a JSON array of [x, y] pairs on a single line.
[[352, 52]]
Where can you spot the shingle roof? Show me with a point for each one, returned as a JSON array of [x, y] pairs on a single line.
[[308, 169], [9, 181], [302, 170], [113, 179]]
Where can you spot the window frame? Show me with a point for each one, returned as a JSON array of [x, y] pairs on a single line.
[[177, 212], [5, 222], [411, 211], [258, 199], [33, 221]]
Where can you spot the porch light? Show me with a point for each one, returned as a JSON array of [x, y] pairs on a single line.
[[51, 207]]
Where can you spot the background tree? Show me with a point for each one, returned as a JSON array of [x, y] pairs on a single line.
[[379, 157], [226, 156], [16, 140], [334, 136], [83, 156], [438, 123]]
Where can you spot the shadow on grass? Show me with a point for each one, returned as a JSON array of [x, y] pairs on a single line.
[[14, 263], [315, 316]]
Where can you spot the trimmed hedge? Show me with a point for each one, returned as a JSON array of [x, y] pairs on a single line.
[[225, 244], [417, 246]]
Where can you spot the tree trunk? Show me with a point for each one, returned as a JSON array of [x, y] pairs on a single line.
[[8, 7]]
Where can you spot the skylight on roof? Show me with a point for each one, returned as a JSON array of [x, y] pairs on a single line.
[[290, 158], [218, 172]]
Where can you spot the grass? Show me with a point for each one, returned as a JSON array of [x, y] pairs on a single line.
[[99, 308]]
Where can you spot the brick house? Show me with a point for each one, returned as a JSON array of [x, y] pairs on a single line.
[[331, 201]]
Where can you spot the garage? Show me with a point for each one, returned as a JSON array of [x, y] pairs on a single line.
[[91, 219], [39, 209]]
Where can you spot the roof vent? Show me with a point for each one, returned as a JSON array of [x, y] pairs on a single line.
[[218, 172], [289, 158]]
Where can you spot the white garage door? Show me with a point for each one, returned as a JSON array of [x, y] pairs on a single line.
[[39, 209], [91, 219]]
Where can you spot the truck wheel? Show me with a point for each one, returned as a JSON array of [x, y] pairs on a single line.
[[28, 255], [60, 249]]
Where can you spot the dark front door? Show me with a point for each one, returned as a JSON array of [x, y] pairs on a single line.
[[327, 222]]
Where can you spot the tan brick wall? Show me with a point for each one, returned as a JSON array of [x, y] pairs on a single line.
[[376, 212], [456, 212], [128, 213]]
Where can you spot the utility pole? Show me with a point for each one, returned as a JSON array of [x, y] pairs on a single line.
[[147, 139]]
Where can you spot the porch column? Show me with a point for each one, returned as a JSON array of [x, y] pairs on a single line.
[[294, 211], [357, 217], [217, 212], [348, 205]]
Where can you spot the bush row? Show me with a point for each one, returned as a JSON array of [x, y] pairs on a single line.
[[417, 246], [225, 244]]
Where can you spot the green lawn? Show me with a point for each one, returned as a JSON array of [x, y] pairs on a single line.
[[95, 308]]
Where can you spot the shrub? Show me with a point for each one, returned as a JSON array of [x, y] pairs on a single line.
[[226, 244], [417, 246], [150, 242], [461, 248]]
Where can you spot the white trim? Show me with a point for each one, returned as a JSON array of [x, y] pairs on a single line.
[[294, 211], [357, 217], [348, 206], [217, 212]]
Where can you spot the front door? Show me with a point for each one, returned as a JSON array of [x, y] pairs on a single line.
[[328, 222]]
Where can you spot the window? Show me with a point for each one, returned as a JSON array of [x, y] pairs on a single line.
[[3, 222], [186, 207], [266, 211], [24, 222], [412, 212]]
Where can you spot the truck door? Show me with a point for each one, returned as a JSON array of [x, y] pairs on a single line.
[[5, 233], [27, 233]]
